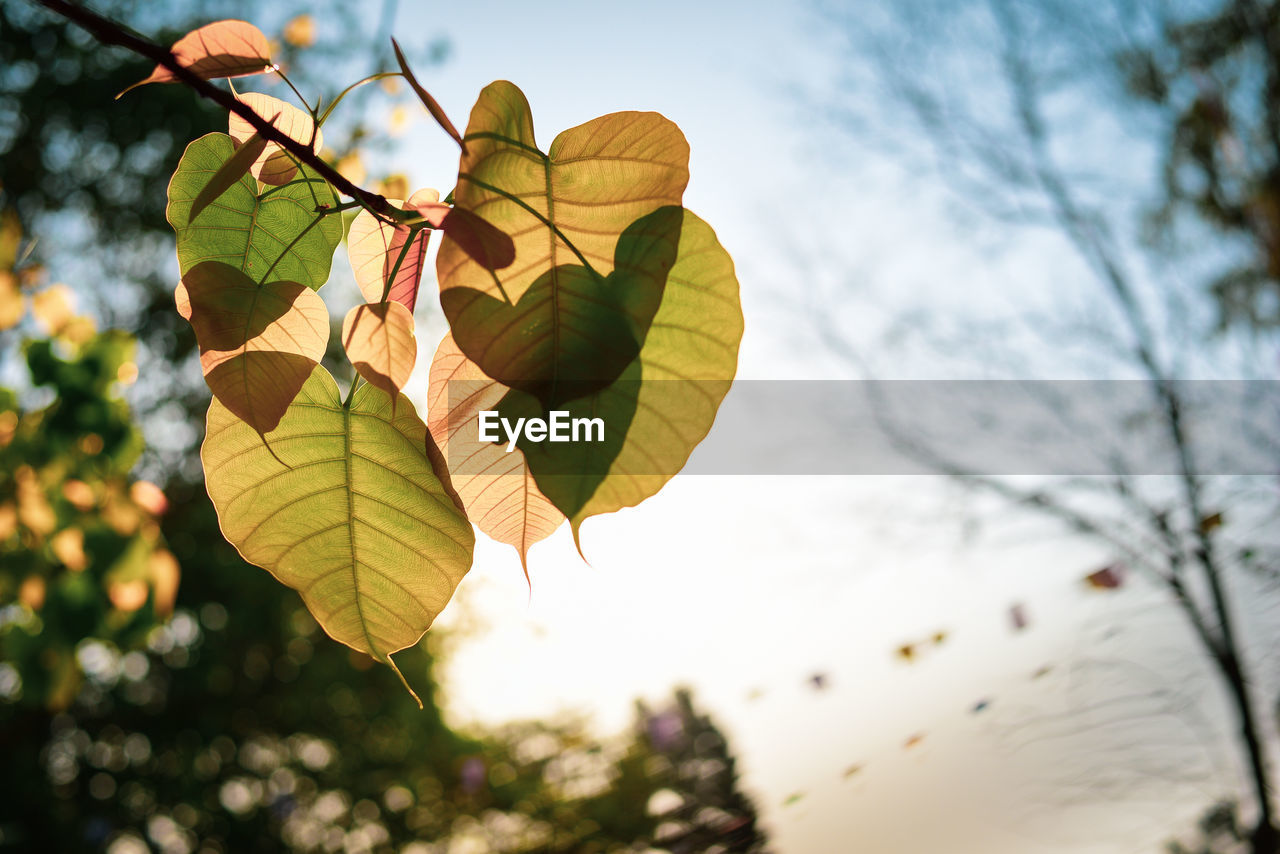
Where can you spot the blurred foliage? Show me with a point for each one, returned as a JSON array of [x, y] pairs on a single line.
[[76, 162], [1220, 74]]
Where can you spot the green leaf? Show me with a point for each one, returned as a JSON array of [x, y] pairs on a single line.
[[229, 173], [278, 234], [258, 343], [573, 331], [563, 209], [663, 404], [350, 507]]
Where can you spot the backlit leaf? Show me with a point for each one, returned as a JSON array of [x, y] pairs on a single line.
[[277, 234], [221, 49], [258, 343], [666, 400], [433, 107], [274, 165], [380, 343], [373, 247], [230, 172], [495, 486], [573, 331], [1107, 578], [350, 507], [597, 179]]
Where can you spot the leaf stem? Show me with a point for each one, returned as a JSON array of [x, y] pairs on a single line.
[[334, 103], [286, 79]]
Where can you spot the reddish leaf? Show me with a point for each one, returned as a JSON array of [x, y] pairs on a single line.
[[1018, 616], [433, 107], [373, 247], [1107, 578], [380, 343], [221, 49]]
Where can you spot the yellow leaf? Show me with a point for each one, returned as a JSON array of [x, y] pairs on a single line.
[[128, 596], [31, 592], [53, 308], [68, 547], [300, 31], [164, 572], [380, 343], [11, 300], [33, 508], [149, 497], [495, 486], [80, 494], [275, 166], [258, 343]]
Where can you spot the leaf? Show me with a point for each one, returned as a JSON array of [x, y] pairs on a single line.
[[598, 179], [380, 343], [275, 166], [258, 343], [1107, 578], [221, 49], [665, 402], [350, 507], [278, 233], [433, 107], [373, 247], [572, 332], [496, 487], [1018, 616], [488, 246], [300, 31], [229, 173]]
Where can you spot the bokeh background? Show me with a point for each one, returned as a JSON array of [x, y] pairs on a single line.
[[924, 190]]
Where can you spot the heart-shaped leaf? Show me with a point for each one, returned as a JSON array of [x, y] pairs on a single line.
[[373, 247], [221, 49], [598, 178], [495, 486], [349, 506], [572, 332], [380, 343], [664, 403], [278, 234], [258, 343], [230, 172], [274, 165]]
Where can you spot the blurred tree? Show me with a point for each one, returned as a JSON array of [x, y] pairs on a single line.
[[1219, 74], [1027, 113]]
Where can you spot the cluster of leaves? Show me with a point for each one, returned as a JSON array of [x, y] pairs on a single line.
[[84, 557], [567, 278]]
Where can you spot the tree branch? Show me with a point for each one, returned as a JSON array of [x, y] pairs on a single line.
[[108, 32]]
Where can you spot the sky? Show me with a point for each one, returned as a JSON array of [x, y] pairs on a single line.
[[1067, 736]]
